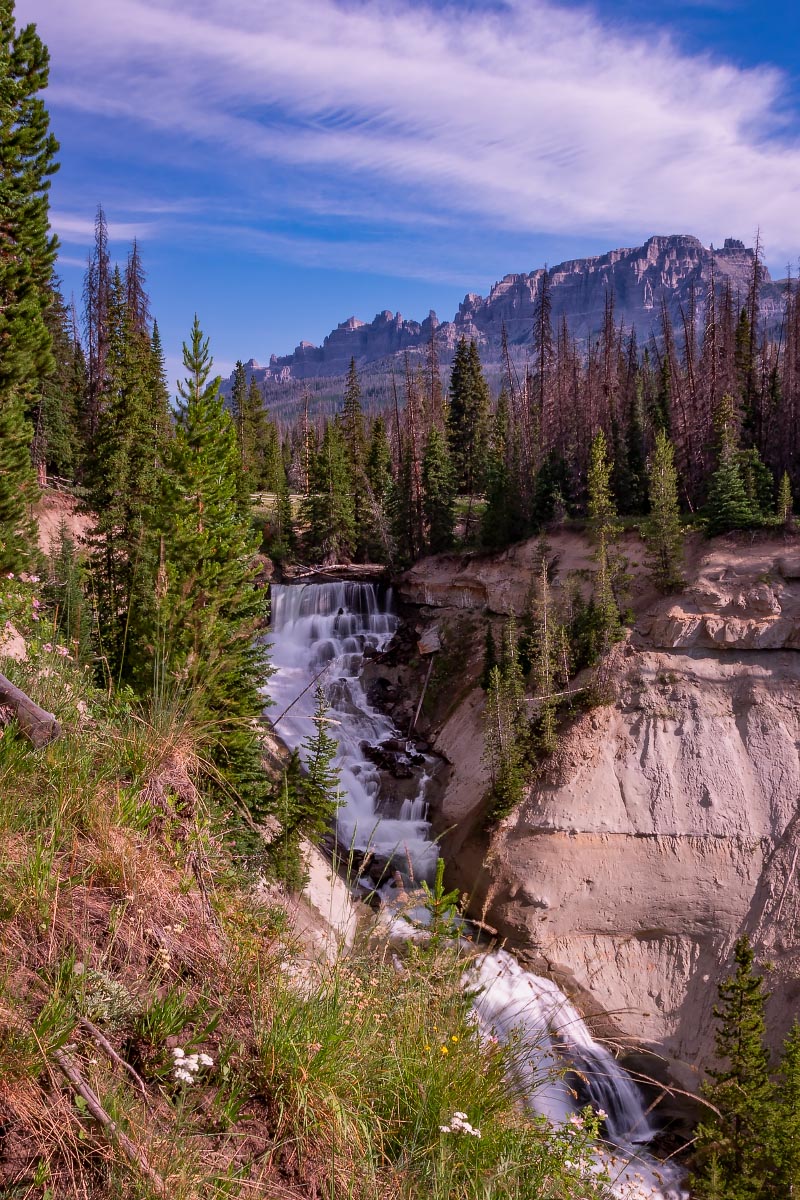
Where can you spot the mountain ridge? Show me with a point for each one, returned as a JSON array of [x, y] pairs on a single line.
[[661, 271]]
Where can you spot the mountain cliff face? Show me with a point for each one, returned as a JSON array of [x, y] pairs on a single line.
[[668, 822], [664, 269]]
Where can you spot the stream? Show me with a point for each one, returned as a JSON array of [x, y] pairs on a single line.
[[326, 630]]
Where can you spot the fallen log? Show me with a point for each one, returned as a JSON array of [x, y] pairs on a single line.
[[39, 727]]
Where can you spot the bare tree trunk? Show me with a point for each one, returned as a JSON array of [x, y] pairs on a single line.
[[39, 727]]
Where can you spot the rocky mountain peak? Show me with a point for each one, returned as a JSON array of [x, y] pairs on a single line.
[[663, 271]]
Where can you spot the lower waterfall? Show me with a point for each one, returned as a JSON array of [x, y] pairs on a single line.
[[323, 631]]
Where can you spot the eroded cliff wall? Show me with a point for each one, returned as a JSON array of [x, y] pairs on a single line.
[[668, 822]]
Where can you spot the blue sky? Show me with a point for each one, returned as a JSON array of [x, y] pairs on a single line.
[[288, 163]]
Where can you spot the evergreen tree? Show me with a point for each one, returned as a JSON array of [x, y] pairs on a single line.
[[467, 423], [56, 415], [551, 491], [759, 483], [505, 728], [309, 797], [238, 401], [785, 504], [784, 1125], [740, 1088], [489, 657], [66, 592], [351, 424], [17, 485], [496, 519], [663, 531], [273, 469], [210, 612], [438, 489], [328, 510], [728, 506], [27, 256], [123, 486], [544, 652], [253, 440], [320, 787], [604, 523], [406, 526], [604, 529], [377, 537]]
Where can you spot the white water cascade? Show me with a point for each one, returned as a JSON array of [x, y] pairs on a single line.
[[323, 630]]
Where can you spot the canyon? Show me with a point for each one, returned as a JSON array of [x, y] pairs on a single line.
[[666, 823]]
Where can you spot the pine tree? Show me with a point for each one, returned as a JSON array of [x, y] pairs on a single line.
[[506, 728], [740, 1088], [544, 652], [467, 423], [604, 523], [122, 493], [663, 531], [785, 503], [489, 657], [17, 486], [351, 424], [377, 519], [438, 489], [210, 611], [550, 501], [328, 510], [784, 1124], [604, 530], [27, 256], [253, 436], [96, 302], [320, 787], [728, 506], [56, 415], [273, 470], [238, 401], [496, 519]]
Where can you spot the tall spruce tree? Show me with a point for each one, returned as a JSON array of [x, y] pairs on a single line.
[[732, 1140], [378, 537], [663, 529], [27, 256], [122, 495], [784, 1124], [210, 611], [604, 530], [467, 423], [728, 506], [438, 490], [785, 504], [506, 728], [328, 510], [497, 515], [351, 423]]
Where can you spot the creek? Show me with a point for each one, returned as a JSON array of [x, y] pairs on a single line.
[[323, 633]]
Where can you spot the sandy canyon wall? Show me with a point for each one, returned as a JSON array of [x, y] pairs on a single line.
[[668, 822]]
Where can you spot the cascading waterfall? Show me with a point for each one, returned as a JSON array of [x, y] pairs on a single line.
[[324, 630]]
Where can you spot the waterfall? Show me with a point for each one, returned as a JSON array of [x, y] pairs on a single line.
[[328, 627], [327, 630]]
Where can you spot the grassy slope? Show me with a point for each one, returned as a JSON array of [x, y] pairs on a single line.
[[128, 930]]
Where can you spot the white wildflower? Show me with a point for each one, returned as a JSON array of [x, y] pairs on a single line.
[[186, 1067], [460, 1124]]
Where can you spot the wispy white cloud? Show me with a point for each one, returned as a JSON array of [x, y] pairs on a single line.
[[533, 118], [76, 229]]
